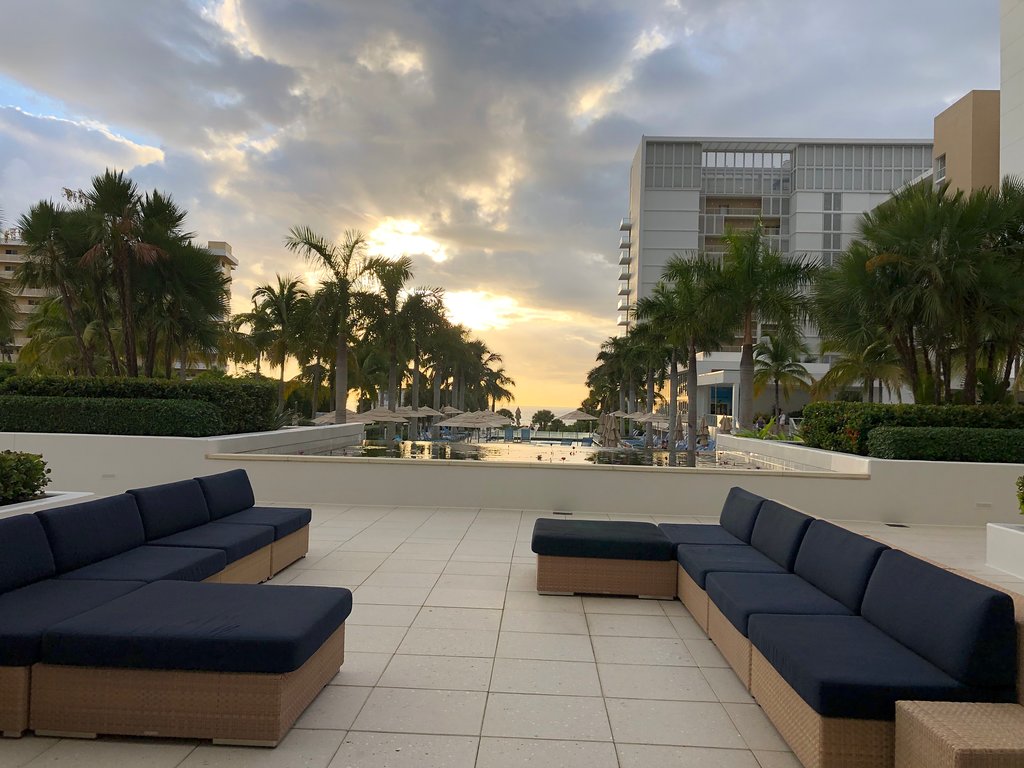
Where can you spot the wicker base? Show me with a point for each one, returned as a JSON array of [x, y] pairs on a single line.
[[223, 706], [603, 576], [731, 643], [819, 742], [694, 598], [14, 687], [942, 734], [251, 569], [287, 550]]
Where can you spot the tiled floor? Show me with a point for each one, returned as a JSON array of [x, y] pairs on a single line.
[[453, 660]]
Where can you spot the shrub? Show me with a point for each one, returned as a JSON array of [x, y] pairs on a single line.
[[1004, 446], [109, 416], [22, 476], [847, 427], [7, 370], [1020, 493], [243, 406]]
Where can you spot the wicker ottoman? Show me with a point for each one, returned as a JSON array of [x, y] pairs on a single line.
[[942, 734], [235, 663], [604, 558]]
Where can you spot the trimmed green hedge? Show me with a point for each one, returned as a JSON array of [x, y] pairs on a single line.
[[243, 406], [109, 416], [846, 427], [22, 476], [1004, 446]]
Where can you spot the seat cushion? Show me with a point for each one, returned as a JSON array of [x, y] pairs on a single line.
[[739, 513], [601, 538], [680, 533], [699, 560], [227, 493], [153, 564], [212, 627], [837, 561], [741, 595], [843, 666], [25, 554], [235, 541], [27, 612], [171, 507], [81, 534], [964, 628], [778, 532], [283, 520]]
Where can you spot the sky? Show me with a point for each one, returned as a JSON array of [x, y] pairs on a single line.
[[489, 140]]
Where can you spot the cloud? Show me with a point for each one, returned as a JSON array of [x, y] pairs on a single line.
[[489, 140]]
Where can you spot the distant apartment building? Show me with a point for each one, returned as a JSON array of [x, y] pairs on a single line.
[[966, 146], [12, 250], [1011, 88]]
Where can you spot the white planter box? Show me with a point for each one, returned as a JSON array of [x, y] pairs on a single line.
[[1004, 548]]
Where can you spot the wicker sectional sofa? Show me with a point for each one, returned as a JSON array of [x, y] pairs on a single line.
[[829, 629], [139, 614]]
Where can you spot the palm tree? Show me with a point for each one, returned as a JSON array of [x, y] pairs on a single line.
[[757, 284], [116, 228], [875, 361], [343, 264], [777, 362], [386, 322], [8, 314], [651, 353], [422, 314], [281, 304]]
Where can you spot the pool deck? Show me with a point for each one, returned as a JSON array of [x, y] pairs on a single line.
[[454, 661]]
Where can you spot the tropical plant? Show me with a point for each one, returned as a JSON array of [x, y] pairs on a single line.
[[543, 418], [281, 305], [777, 363]]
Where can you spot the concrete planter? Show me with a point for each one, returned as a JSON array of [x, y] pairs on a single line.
[[1004, 548], [50, 499]]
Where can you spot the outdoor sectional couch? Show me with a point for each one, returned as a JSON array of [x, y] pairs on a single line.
[[109, 622], [829, 629]]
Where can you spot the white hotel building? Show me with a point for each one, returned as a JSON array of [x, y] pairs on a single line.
[[684, 193]]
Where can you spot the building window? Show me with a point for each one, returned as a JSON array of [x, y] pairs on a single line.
[[10, 251], [940, 168]]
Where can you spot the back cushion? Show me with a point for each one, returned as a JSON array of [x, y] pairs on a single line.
[[170, 508], [227, 493], [778, 532], [740, 512], [838, 562], [965, 629], [86, 533], [25, 555]]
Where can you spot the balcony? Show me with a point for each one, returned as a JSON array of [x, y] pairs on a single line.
[[624, 242], [625, 259], [623, 320], [624, 274], [623, 305], [624, 289], [626, 224]]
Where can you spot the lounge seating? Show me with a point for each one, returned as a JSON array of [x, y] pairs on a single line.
[[830, 629], [233, 663], [736, 523], [601, 557]]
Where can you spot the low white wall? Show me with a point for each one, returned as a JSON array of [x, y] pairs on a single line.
[[107, 464], [794, 455], [51, 500]]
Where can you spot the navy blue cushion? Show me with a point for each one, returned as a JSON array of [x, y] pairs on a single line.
[[698, 561], [25, 554], [843, 666], [153, 564], [235, 541], [601, 538], [838, 562], [741, 595], [283, 520], [681, 533], [171, 507], [964, 628], [227, 493], [86, 533], [739, 513], [27, 612], [212, 627], [778, 532]]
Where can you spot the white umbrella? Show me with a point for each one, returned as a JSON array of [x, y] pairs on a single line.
[[328, 418], [382, 414], [450, 410], [578, 416], [620, 414], [418, 413]]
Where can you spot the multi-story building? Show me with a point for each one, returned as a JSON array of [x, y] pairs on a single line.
[[1011, 88], [12, 250], [966, 147]]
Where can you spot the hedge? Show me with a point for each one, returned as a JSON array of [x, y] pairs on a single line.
[[1004, 446], [109, 416], [22, 476], [243, 406], [846, 427]]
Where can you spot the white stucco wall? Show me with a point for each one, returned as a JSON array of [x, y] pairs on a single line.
[[1011, 87]]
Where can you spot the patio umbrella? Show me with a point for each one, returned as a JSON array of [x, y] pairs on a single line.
[[450, 410], [382, 415], [578, 416], [608, 431], [680, 431], [620, 414], [328, 418]]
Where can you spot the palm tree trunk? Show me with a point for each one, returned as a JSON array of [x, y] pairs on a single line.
[[316, 387], [673, 405], [649, 427], [168, 357], [691, 407], [131, 353], [104, 317], [73, 321], [183, 374], [746, 414], [435, 431], [151, 350], [970, 342], [414, 422], [778, 403], [280, 385], [340, 378]]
